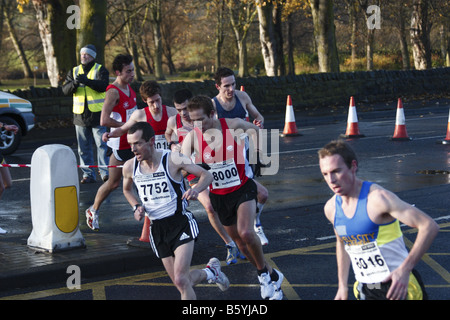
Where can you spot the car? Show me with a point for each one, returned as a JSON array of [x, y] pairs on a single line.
[[17, 111]]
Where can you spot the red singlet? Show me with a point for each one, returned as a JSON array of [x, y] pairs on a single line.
[[122, 112], [227, 168]]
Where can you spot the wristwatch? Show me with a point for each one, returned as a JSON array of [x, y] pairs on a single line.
[[135, 207]]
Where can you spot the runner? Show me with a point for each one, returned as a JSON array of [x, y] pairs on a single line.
[[178, 127], [366, 220], [232, 103], [232, 193], [155, 113], [159, 181], [120, 102], [5, 174]]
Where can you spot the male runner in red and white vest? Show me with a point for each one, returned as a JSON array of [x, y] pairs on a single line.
[[178, 127], [155, 113], [232, 103], [217, 144], [120, 103]]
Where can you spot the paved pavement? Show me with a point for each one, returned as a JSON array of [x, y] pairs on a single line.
[[105, 253]]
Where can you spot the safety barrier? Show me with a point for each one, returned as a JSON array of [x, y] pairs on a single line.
[[54, 194]]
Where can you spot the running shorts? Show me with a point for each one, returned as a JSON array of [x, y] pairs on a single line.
[[167, 234], [226, 205], [121, 155], [378, 291]]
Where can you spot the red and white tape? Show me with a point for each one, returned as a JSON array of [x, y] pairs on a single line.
[[29, 166]]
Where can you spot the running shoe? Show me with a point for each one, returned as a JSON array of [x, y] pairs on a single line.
[[262, 237], [267, 287], [219, 277], [278, 293], [92, 219], [232, 254]]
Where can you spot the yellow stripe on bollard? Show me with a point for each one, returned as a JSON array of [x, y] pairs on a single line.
[[66, 208]]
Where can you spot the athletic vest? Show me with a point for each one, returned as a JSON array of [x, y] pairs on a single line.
[[94, 98], [159, 192], [181, 130], [159, 127], [227, 166], [237, 112], [122, 112], [361, 236], [181, 134]]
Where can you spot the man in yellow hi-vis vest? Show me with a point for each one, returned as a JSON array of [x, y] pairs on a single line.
[[87, 83]]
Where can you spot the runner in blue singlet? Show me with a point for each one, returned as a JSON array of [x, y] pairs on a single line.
[[366, 220]]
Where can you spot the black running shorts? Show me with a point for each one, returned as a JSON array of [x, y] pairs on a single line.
[[227, 205], [121, 155], [167, 234]]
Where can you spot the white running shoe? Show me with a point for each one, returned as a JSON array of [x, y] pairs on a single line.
[[267, 287], [262, 237], [92, 219], [278, 293], [219, 277]]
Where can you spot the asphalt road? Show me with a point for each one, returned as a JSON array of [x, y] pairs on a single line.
[[301, 239]]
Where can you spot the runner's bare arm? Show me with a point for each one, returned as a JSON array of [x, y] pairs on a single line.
[[182, 163], [342, 258], [387, 202], [112, 97], [127, 172]]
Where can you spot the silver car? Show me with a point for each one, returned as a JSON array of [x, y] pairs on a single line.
[[17, 111]]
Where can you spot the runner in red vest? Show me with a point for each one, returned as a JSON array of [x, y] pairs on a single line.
[[155, 113], [217, 144], [232, 103], [120, 102], [178, 127]]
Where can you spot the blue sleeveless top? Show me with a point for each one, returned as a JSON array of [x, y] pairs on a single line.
[[360, 230], [237, 112]]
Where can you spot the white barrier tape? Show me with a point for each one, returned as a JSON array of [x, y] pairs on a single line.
[[29, 166]]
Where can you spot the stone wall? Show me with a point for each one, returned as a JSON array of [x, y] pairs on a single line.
[[313, 91]]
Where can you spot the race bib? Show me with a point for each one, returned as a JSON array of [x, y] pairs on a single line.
[[153, 188], [225, 174], [161, 142], [368, 263], [129, 112]]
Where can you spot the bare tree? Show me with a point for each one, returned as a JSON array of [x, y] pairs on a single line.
[[370, 36], [324, 33], [93, 26], [216, 8], [268, 36], [8, 13], [420, 35], [242, 14], [155, 21], [58, 41]]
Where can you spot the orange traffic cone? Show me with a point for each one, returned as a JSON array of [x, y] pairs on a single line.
[[352, 122], [400, 133], [247, 118], [290, 128], [145, 235], [447, 138]]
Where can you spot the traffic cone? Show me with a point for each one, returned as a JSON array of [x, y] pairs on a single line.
[[145, 235], [352, 122], [290, 128], [447, 138], [247, 118], [400, 133]]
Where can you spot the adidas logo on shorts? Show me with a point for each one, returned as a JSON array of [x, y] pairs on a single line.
[[184, 236]]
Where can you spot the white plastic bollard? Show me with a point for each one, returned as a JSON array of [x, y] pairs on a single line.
[[54, 192]]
